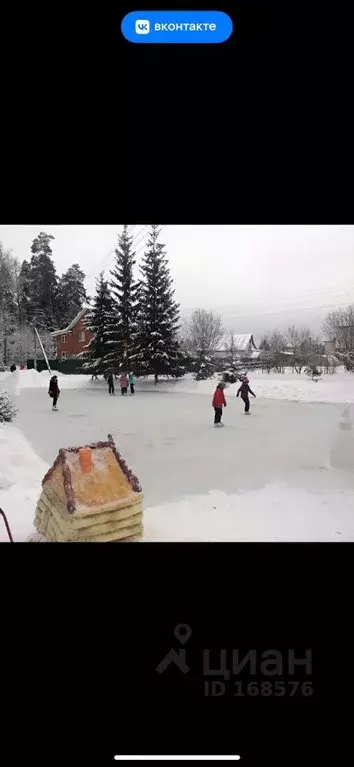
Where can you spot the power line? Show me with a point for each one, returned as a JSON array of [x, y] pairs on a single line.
[[301, 301], [143, 235], [96, 269], [108, 257], [100, 266], [143, 246], [287, 311], [134, 245]]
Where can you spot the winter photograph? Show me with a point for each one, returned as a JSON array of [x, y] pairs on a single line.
[[176, 383]]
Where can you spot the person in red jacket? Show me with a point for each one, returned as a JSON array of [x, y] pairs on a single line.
[[218, 402]]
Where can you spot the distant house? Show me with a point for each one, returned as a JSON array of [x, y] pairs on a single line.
[[330, 347], [244, 342], [244, 345], [71, 340]]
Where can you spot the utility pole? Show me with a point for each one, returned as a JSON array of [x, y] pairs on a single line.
[[42, 349], [35, 347]]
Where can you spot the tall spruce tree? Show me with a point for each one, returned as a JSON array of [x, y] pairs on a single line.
[[70, 296], [125, 296], [43, 282], [157, 349], [99, 321], [24, 293], [8, 310]]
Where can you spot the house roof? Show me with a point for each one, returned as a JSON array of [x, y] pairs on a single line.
[[108, 481], [72, 323], [243, 340], [242, 343]]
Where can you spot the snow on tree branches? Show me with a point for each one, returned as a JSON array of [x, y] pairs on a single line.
[[8, 411], [123, 327], [99, 321], [156, 344]]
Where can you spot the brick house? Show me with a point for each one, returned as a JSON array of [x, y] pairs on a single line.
[[71, 340]]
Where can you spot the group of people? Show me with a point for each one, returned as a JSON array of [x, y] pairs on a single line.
[[219, 400], [125, 381]]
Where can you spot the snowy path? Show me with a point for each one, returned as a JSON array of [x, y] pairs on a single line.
[[170, 442]]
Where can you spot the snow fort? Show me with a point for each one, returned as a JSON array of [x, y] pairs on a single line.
[[90, 495]]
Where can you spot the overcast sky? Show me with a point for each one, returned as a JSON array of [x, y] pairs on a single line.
[[256, 276]]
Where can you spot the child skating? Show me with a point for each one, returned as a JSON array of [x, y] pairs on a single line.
[[132, 383], [54, 391], [245, 390], [110, 382], [219, 402], [124, 383]]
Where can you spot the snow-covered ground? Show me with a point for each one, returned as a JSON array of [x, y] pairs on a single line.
[[21, 473], [284, 473]]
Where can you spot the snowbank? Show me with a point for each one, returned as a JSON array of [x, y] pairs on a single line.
[[31, 379], [337, 388], [274, 513], [21, 473]]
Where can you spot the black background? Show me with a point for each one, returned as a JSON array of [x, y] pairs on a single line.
[[96, 129], [86, 626]]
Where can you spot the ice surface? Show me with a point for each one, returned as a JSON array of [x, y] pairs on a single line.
[[286, 472]]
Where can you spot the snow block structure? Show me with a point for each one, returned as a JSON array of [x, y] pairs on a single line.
[[90, 495]]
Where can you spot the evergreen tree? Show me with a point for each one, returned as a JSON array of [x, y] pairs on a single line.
[[8, 411], [70, 296], [99, 321], [8, 318], [43, 283], [24, 294], [204, 366], [157, 349], [125, 296]]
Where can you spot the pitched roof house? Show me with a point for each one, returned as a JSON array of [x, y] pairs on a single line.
[[71, 340], [244, 344], [90, 495]]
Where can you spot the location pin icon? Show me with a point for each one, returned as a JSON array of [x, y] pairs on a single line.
[[182, 632]]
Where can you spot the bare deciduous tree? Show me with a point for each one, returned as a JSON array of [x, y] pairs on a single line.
[[204, 331], [338, 326], [21, 345], [273, 342]]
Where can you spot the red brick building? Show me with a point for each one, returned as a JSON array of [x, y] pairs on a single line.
[[72, 340]]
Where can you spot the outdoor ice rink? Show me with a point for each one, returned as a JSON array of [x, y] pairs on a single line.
[[284, 473], [170, 442]]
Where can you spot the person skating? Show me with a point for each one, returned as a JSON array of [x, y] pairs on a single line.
[[218, 402], [110, 383], [124, 383], [132, 382], [54, 391], [245, 390]]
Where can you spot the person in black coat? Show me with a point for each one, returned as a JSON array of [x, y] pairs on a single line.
[[110, 382], [54, 391], [245, 390]]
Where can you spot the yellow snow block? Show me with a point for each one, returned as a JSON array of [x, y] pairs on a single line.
[[89, 495]]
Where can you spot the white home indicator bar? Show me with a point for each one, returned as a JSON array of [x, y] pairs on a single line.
[[174, 758]]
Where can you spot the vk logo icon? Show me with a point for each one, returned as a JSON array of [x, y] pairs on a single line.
[[142, 27]]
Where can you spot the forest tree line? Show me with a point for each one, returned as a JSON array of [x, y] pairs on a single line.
[[135, 319], [32, 294]]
